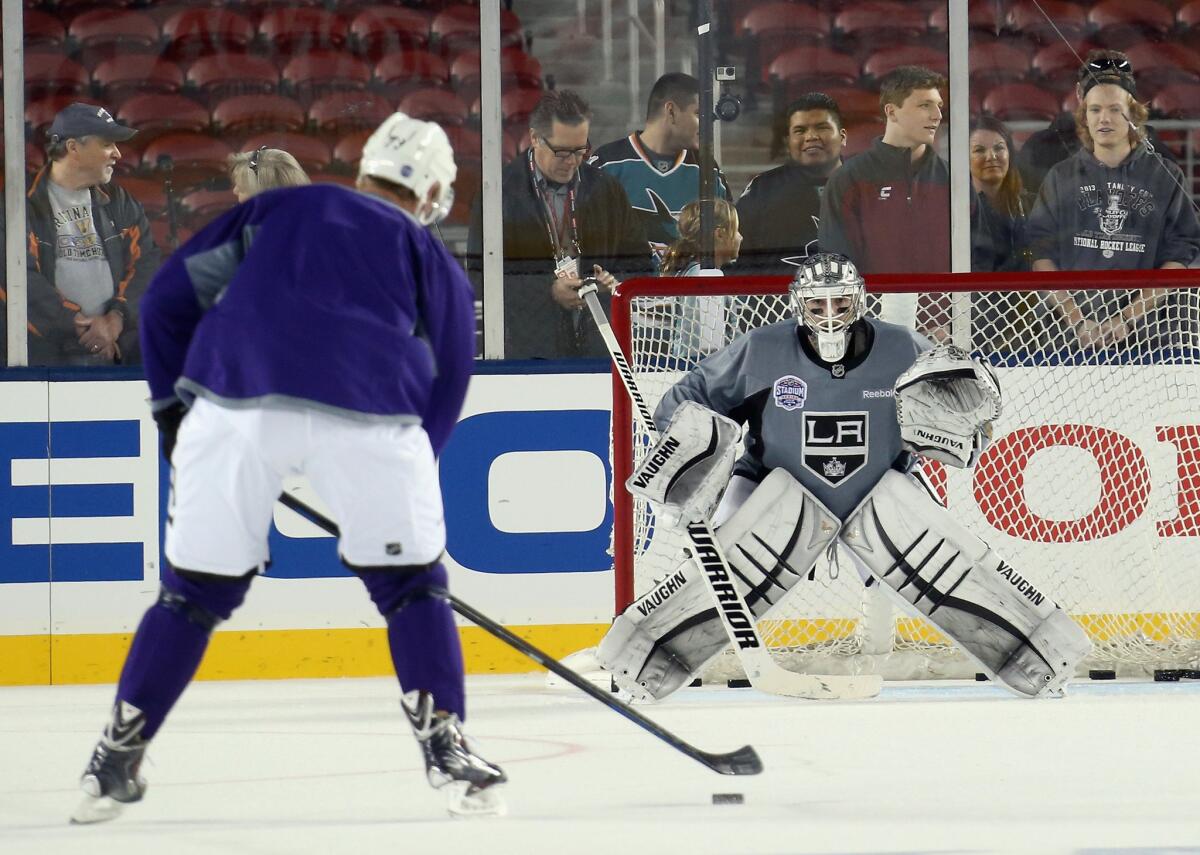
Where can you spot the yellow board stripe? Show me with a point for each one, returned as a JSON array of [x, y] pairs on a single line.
[[27, 660]]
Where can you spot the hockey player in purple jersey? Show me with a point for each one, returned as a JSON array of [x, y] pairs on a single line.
[[325, 332]]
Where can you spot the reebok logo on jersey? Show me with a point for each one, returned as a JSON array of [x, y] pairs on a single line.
[[877, 393], [790, 392]]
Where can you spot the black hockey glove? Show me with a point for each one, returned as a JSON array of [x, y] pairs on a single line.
[[168, 420]]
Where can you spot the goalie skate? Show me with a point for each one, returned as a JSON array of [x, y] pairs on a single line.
[[112, 778], [469, 781]]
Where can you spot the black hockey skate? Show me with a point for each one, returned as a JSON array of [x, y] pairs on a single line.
[[470, 781], [112, 778]]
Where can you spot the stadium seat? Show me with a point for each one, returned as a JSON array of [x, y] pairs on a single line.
[[874, 24], [290, 31], [194, 158], [516, 141], [379, 31], [217, 77], [1011, 102], [856, 105], [245, 114], [313, 154], [517, 69], [981, 17], [401, 72], [1175, 101], [997, 62], [1157, 64], [1120, 23], [456, 28], [1044, 20], [467, 184], [517, 104], [341, 112], [859, 137], [40, 114], [318, 73], [436, 105], [54, 74], [818, 66], [882, 61], [154, 115], [136, 74], [769, 29], [43, 31], [199, 207], [1188, 16], [348, 150], [104, 33], [466, 142], [148, 191], [1059, 63], [199, 31], [333, 178]]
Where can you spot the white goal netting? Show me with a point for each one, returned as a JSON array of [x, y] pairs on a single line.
[[1090, 488]]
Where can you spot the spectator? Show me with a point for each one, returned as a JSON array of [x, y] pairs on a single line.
[[658, 166], [91, 253], [701, 323], [888, 209], [780, 208], [563, 220], [1060, 140], [264, 168], [1114, 205]]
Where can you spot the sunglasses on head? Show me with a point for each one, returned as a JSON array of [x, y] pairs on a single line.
[[254, 158], [1103, 64]]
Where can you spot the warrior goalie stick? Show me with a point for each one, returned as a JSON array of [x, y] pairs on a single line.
[[763, 672], [743, 761]]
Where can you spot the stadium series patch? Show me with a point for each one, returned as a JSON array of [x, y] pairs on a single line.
[[790, 392]]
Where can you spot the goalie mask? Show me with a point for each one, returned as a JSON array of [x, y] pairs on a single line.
[[417, 155], [828, 297]]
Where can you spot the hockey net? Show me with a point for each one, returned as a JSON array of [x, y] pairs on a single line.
[[1090, 488]]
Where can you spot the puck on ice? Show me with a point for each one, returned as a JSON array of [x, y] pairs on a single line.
[[728, 799], [1102, 674]]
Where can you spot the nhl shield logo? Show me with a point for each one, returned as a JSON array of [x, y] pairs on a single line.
[[790, 392]]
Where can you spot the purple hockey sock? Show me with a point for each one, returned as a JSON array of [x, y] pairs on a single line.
[[422, 636], [171, 640]]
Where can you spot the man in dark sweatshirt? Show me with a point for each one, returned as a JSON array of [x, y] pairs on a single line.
[[1113, 205], [888, 209]]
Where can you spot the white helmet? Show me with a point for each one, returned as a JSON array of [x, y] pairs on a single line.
[[826, 277], [416, 155]]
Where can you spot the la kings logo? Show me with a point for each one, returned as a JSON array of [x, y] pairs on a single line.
[[835, 445]]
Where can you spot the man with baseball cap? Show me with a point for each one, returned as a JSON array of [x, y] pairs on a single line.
[[90, 249]]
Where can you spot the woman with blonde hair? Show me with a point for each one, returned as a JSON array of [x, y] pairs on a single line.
[[252, 172], [701, 324]]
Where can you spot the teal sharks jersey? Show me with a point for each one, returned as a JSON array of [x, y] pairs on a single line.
[[657, 191]]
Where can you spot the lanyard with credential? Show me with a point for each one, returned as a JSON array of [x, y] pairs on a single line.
[[550, 220]]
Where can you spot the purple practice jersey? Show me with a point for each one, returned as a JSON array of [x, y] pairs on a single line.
[[314, 297]]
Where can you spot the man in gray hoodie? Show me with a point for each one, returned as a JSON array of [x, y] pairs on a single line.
[[1115, 205]]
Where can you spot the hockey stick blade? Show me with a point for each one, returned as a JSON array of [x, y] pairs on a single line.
[[763, 672], [743, 761]]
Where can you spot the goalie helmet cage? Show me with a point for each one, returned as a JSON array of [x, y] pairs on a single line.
[[1090, 488]]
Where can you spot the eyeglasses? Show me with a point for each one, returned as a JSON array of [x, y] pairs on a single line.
[[254, 158], [568, 153], [1110, 63]]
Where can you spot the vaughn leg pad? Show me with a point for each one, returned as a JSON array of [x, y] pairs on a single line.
[[673, 630], [1013, 631]]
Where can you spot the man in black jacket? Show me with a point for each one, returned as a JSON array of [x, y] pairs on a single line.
[[91, 254], [780, 209], [563, 221]]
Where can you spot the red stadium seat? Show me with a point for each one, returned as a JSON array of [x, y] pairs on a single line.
[[348, 150], [40, 114], [379, 31], [456, 29], [517, 104], [217, 77], [997, 62], [878, 23], [294, 30], [1157, 64], [467, 185], [137, 74], [1176, 101], [1120, 23], [517, 69], [199, 31], [199, 207], [1188, 15], [435, 105], [883, 61], [818, 66], [103, 33], [341, 112], [859, 137], [244, 114], [313, 154], [856, 105], [1020, 101], [981, 17], [54, 74], [771, 28], [333, 178], [154, 115], [404, 71], [466, 142], [1044, 20], [1058, 64], [195, 158], [149, 192], [318, 73], [43, 31]]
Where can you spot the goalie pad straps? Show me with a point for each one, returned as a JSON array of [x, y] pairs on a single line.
[[1014, 632], [945, 404], [689, 466], [673, 630]]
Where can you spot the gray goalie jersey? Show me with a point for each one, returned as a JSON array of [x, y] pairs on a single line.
[[832, 426]]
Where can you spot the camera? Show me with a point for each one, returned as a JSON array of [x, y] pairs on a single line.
[[726, 73]]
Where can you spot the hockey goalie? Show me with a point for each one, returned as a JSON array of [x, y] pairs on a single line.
[[835, 411]]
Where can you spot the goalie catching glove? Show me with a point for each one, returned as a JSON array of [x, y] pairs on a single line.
[[945, 403], [689, 466]]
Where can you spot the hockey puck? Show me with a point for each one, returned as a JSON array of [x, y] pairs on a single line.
[[738, 684], [728, 799], [1167, 675], [1102, 674]]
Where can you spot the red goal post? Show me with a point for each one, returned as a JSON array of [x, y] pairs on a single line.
[[1090, 488]]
